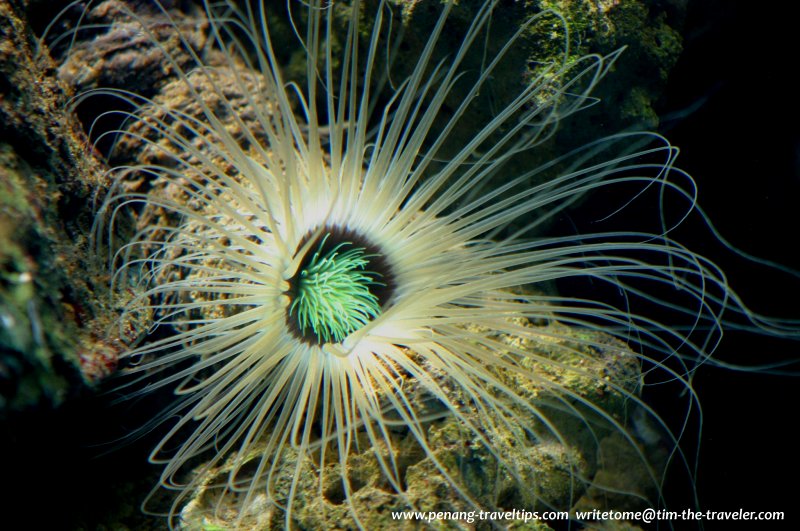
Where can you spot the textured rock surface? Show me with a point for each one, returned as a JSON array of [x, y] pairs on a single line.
[[561, 465], [51, 319]]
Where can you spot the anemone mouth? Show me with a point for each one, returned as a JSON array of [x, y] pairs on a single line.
[[343, 282]]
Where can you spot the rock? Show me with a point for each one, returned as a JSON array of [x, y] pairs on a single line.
[[572, 453]]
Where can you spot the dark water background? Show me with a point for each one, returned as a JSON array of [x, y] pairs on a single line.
[[733, 110], [742, 145]]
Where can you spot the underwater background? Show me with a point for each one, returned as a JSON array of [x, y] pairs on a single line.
[[742, 144], [731, 108]]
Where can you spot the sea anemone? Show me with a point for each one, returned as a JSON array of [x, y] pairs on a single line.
[[330, 266]]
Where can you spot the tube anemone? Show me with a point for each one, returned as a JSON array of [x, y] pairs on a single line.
[[340, 272]]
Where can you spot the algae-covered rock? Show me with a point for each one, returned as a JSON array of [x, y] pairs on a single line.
[[577, 450], [52, 337], [57, 341], [650, 34], [555, 33]]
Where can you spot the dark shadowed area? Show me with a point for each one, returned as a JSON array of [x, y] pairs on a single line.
[[739, 139]]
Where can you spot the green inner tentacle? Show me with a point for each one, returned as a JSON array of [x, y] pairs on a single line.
[[332, 296]]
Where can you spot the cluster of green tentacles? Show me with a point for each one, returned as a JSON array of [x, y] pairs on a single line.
[[332, 296]]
